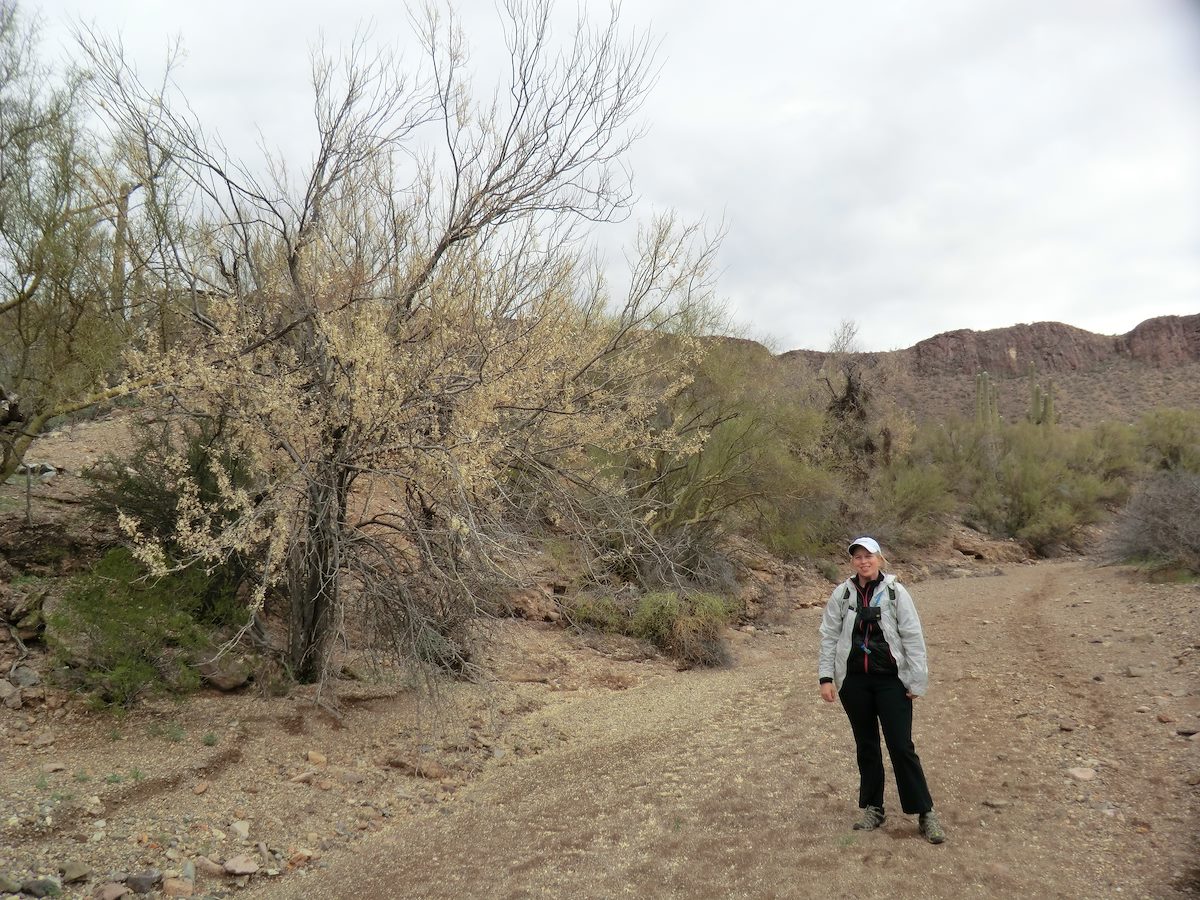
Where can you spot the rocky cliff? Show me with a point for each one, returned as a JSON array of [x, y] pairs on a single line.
[[1054, 348], [1095, 376]]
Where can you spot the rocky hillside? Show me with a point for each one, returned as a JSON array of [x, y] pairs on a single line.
[[1054, 348], [1095, 376]]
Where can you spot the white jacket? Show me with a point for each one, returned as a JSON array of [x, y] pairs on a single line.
[[901, 627]]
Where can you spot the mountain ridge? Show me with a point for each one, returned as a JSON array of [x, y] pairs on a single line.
[[1094, 376], [1052, 347]]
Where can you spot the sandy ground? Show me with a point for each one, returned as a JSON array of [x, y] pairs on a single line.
[[740, 783], [585, 767]]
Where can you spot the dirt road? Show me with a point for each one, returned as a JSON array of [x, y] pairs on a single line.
[[741, 783]]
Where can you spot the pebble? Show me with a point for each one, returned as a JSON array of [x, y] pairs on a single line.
[[111, 890], [177, 887], [1082, 774], [241, 828], [23, 676], [209, 867], [200, 788], [144, 882], [42, 887], [241, 865], [317, 759], [75, 871]]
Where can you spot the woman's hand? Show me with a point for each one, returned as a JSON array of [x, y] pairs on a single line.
[[828, 693], [911, 696]]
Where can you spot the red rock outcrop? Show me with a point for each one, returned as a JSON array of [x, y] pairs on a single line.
[[1164, 341], [1055, 348], [1052, 347], [1049, 346]]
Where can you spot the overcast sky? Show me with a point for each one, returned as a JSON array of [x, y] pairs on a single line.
[[917, 167]]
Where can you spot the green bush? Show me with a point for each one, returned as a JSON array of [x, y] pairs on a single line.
[[805, 513], [699, 634], [601, 613], [142, 487], [118, 635], [911, 503], [1038, 484], [688, 626], [654, 617], [1171, 439]]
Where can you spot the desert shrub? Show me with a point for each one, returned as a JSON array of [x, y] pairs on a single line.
[[1038, 484], [119, 635], [146, 488], [1171, 439], [688, 626], [1159, 526], [1110, 450], [602, 613], [654, 617], [698, 635], [1035, 493], [807, 516], [911, 502], [1049, 526]]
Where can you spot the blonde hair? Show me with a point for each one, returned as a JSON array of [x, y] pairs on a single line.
[[879, 556]]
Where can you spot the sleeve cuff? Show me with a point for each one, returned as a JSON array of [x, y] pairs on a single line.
[[826, 680]]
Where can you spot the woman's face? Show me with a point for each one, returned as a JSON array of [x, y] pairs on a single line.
[[866, 563]]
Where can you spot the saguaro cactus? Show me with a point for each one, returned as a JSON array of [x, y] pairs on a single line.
[[987, 409], [1041, 400]]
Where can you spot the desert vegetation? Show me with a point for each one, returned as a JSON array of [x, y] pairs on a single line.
[[366, 392]]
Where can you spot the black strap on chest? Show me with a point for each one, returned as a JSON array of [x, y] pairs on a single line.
[[891, 593]]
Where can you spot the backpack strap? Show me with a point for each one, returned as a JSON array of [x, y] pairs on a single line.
[[844, 599]]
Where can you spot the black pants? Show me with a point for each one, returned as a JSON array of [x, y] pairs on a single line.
[[871, 701]]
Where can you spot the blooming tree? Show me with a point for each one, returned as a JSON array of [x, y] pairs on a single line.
[[412, 333]]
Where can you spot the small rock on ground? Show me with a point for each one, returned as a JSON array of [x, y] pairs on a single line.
[[144, 882]]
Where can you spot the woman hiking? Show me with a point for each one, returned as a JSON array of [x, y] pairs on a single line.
[[873, 660]]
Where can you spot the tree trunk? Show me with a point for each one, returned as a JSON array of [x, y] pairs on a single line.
[[314, 581]]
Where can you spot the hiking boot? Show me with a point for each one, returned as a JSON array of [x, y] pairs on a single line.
[[872, 817], [931, 828]]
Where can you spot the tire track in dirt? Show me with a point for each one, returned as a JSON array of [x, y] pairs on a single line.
[[741, 783]]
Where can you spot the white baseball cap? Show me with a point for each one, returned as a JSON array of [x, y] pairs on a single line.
[[867, 543]]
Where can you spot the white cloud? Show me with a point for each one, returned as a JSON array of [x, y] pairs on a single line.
[[919, 167]]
